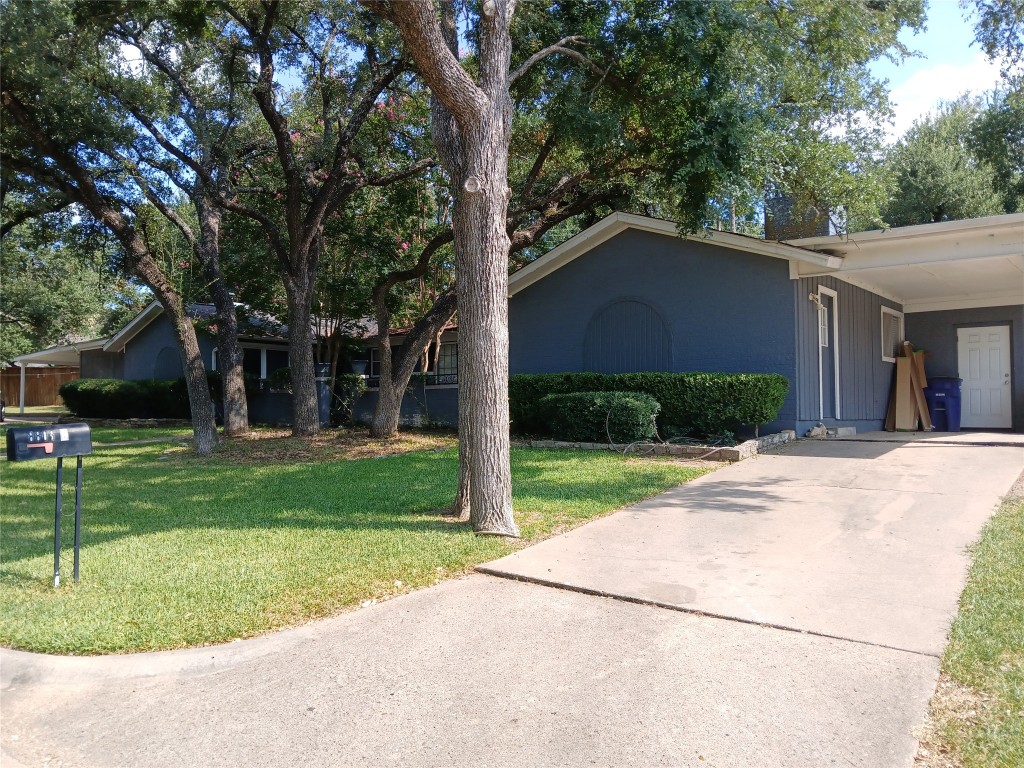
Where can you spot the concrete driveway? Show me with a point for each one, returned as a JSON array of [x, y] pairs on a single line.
[[862, 540], [490, 671]]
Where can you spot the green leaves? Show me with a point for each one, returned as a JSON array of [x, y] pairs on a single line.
[[600, 417], [937, 174]]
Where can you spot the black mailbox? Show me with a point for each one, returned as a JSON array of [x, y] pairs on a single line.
[[27, 443], [56, 442]]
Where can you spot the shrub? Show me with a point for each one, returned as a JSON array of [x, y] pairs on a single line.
[[594, 417], [280, 380], [119, 399], [348, 387], [693, 403]]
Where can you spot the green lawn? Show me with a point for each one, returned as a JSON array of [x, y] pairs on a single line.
[[981, 722], [102, 435], [181, 553], [31, 410]]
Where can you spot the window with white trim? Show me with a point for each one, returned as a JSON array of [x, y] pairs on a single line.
[[892, 334], [823, 326], [448, 359]]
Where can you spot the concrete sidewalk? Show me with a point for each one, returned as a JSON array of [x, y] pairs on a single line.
[[487, 671]]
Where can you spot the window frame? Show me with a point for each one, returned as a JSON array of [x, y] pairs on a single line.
[[901, 318]]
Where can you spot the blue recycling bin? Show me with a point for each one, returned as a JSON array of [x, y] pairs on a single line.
[[944, 401]]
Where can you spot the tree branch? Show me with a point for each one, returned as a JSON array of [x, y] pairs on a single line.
[[559, 48], [404, 173], [449, 82]]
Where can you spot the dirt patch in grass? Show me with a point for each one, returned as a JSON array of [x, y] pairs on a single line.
[[266, 446], [954, 707]]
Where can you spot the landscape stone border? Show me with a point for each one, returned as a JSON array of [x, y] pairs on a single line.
[[739, 452]]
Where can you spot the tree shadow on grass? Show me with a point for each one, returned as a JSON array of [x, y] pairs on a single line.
[[130, 493]]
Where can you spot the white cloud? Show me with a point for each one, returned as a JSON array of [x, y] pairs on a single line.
[[921, 93]]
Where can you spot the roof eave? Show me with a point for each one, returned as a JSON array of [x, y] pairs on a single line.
[[618, 222], [119, 340]]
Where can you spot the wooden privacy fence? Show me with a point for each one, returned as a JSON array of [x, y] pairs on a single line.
[[42, 385]]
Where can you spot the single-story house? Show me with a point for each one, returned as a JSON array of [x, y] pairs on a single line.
[[828, 313], [147, 348], [432, 395], [630, 294]]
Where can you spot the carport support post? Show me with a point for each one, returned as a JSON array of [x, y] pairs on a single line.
[[78, 514], [21, 389], [56, 523]]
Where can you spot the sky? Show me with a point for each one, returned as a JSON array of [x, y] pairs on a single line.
[[951, 63]]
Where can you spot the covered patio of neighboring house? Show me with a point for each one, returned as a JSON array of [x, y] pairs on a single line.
[[433, 393], [961, 288]]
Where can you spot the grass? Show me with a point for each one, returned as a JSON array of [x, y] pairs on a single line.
[[178, 552], [30, 410], [978, 712]]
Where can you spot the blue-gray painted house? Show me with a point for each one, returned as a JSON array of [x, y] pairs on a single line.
[[147, 348], [629, 294]]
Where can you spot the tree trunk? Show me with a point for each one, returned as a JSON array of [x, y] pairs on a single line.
[[229, 353], [471, 124], [229, 357], [398, 366], [305, 413], [481, 247], [386, 413], [460, 507], [204, 425]]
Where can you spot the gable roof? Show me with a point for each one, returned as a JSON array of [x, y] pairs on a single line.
[[251, 325], [619, 222], [119, 340]]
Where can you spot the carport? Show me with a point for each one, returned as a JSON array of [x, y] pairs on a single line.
[[68, 355], [961, 286]]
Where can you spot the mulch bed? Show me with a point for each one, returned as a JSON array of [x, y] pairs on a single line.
[[265, 446]]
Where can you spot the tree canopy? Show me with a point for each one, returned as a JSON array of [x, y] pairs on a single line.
[[937, 174]]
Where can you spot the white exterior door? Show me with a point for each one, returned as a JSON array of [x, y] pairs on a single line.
[[984, 361]]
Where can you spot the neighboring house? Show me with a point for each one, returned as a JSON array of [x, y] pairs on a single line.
[[147, 348], [433, 394], [628, 294]]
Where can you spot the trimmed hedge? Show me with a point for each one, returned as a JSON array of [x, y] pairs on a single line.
[[119, 399], [701, 404], [593, 417]]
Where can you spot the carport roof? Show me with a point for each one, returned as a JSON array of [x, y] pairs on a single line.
[[66, 354], [946, 265]]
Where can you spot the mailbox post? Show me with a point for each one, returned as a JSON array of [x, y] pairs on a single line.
[[29, 443]]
